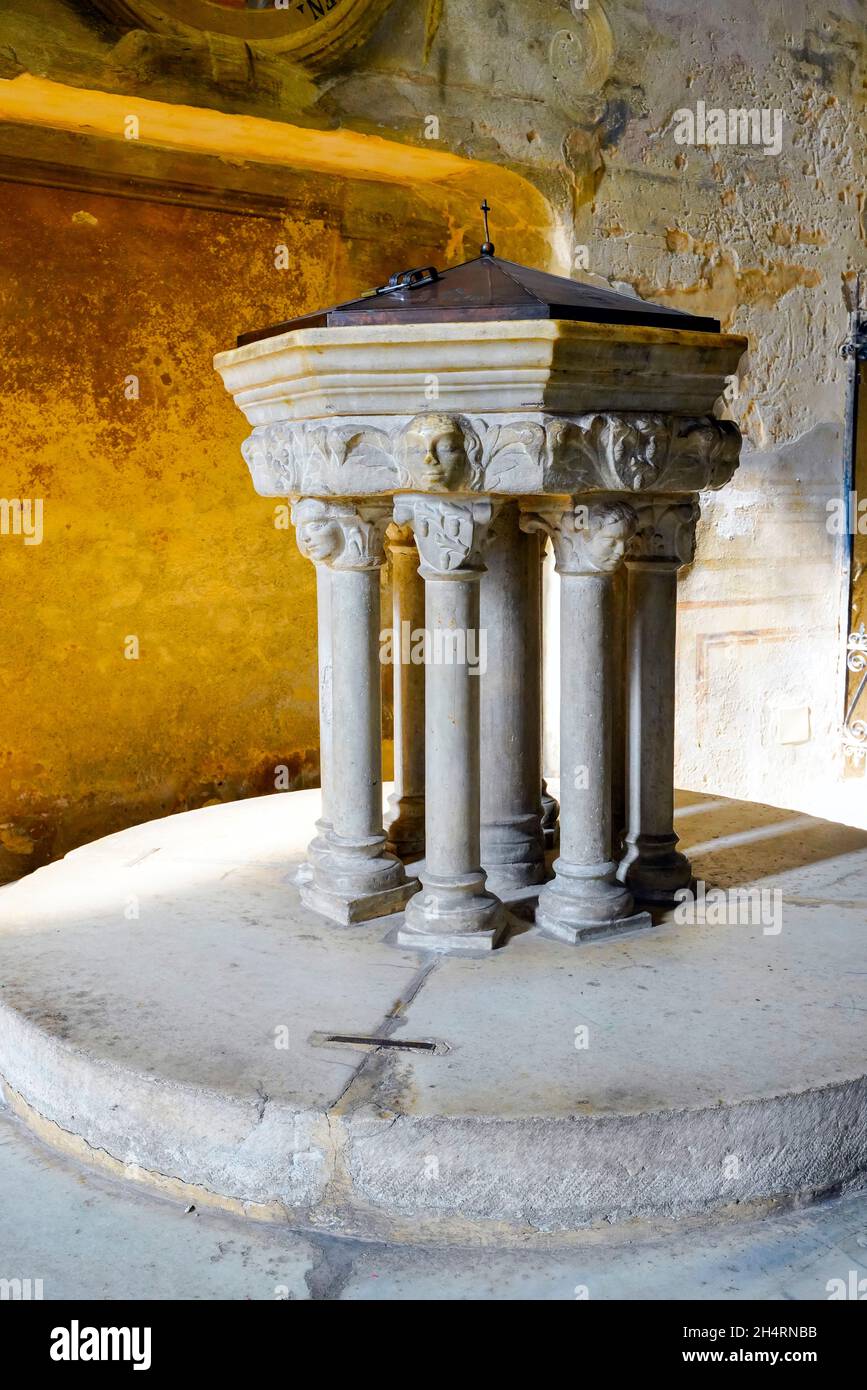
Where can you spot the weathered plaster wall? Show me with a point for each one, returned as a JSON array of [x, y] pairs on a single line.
[[151, 527], [581, 103], [767, 243]]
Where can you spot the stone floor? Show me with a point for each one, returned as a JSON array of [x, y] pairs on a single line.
[[169, 1009], [89, 1236]]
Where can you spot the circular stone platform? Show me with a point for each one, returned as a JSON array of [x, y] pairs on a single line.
[[167, 1008]]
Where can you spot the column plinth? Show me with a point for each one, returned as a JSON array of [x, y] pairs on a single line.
[[584, 899], [513, 852], [453, 912], [405, 820], [351, 877], [652, 866]]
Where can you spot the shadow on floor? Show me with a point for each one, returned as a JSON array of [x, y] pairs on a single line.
[[732, 843]]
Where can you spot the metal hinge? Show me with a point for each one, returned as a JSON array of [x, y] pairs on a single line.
[[410, 279]]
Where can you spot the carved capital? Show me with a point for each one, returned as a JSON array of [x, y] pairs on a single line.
[[449, 534], [666, 531], [588, 537], [400, 537], [439, 453], [340, 535]]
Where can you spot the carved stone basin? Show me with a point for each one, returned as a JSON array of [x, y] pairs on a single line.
[[531, 364]]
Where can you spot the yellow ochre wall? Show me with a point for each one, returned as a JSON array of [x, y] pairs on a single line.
[[151, 525]]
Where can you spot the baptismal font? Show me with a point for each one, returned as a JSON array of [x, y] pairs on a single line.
[[456, 423]]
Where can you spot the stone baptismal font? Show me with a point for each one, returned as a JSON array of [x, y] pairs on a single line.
[[455, 423]]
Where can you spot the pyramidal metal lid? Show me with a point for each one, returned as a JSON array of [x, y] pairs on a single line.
[[488, 288]]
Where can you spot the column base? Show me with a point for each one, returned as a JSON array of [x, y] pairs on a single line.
[[550, 818], [508, 880], [316, 853], [354, 885], [404, 826], [513, 854], [574, 934], [347, 910], [583, 901], [519, 899], [453, 917], [654, 870]]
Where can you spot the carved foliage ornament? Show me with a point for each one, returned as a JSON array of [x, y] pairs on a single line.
[[312, 33], [449, 535], [437, 452], [665, 531]]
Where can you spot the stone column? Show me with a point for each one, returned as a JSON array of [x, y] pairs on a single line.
[[405, 821], [353, 878], [652, 866], [550, 817], [306, 515], [584, 899], [618, 685], [453, 912], [513, 854], [550, 806]]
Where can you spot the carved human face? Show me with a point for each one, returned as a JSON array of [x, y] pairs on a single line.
[[607, 544], [435, 452], [319, 538]]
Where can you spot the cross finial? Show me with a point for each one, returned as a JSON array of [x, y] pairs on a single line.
[[487, 247]]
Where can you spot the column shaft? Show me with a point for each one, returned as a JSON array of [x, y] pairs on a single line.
[[652, 866], [350, 877], [326, 673], [453, 912], [619, 594], [585, 720], [549, 623], [356, 793], [452, 736], [583, 898], [652, 637], [319, 844], [405, 821], [512, 846]]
